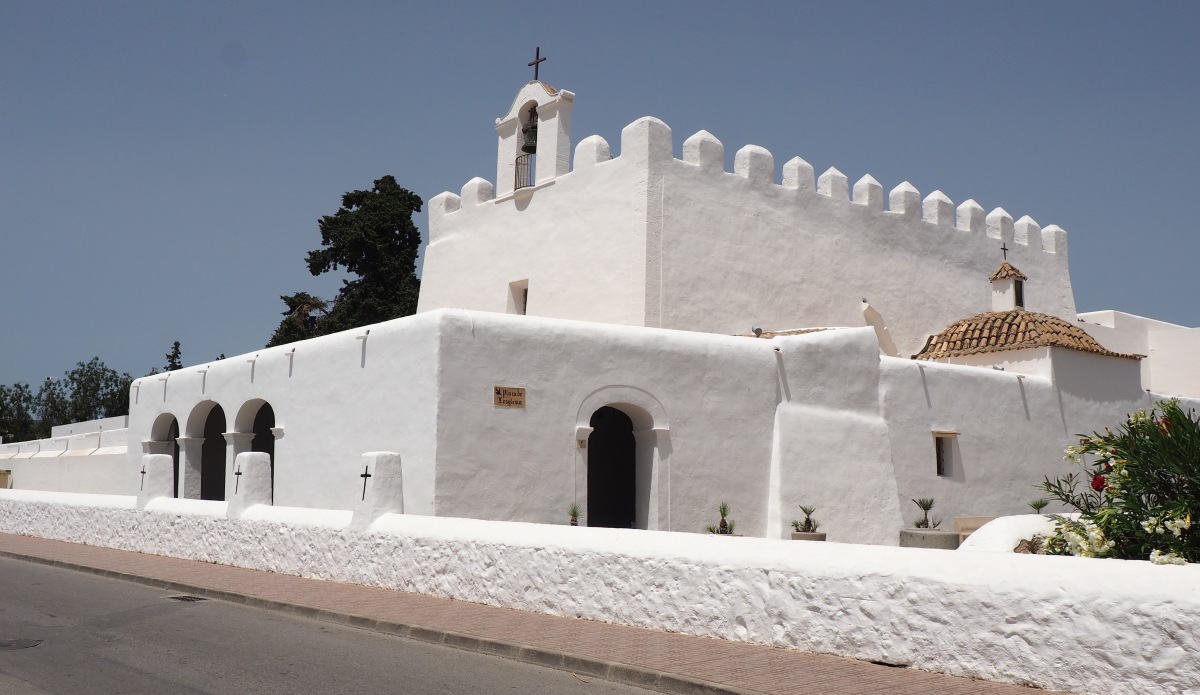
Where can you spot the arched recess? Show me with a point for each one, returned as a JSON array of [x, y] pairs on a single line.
[[205, 452], [527, 133], [257, 417], [165, 433], [613, 414]]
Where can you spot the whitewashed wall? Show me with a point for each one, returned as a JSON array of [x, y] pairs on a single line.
[[334, 398], [92, 462], [648, 239], [710, 399], [584, 262], [1076, 624]]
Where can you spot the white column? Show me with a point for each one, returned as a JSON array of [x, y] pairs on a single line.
[[582, 433], [653, 474], [235, 443], [191, 455]]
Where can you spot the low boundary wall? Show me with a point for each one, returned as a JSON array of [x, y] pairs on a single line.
[[1076, 624]]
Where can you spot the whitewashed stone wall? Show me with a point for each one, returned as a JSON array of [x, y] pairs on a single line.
[[1076, 624], [646, 239]]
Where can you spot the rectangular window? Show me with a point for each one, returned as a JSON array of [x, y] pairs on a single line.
[[518, 297], [943, 451], [1019, 291]]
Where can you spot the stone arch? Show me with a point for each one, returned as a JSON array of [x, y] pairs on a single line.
[[205, 452], [196, 418], [164, 439], [638, 414], [254, 430]]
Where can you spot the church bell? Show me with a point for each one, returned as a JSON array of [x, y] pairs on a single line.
[[529, 145]]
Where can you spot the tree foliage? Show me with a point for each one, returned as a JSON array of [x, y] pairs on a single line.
[[1138, 493], [174, 358], [90, 391], [372, 236]]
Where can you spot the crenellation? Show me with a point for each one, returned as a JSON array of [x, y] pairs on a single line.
[[905, 200], [1000, 225], [755, 164], [704, 150], [970, 217], [1054, 239], [441, 205], [647, 141], [868, 192], [591, 151], [477, 190], [798, 174], [938, 209], [834, 184], [1027, 232]]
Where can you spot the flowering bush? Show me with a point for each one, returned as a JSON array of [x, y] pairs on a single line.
[[1142, 490]]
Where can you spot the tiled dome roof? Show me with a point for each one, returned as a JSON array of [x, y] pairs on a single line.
[[998, 331]]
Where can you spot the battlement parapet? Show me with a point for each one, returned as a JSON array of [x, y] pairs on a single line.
[[648, 142]]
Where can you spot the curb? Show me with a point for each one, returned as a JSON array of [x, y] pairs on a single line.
[[597, 668]]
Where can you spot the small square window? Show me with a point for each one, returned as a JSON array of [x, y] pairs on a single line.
[[518, 297], [943, 451]]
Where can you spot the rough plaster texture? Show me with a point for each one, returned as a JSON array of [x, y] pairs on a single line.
[[1088, 626]]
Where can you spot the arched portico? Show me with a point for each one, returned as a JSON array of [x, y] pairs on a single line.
[[628, 423], [255, 430], [164, 436], [203, 453]]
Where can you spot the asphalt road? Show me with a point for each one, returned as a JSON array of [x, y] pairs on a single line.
[[93, 635]]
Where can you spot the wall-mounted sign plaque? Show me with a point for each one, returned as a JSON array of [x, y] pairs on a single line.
[[508, 397]]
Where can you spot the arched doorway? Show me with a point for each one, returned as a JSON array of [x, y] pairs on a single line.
[[264, 438], [212, 456], [611, 470]]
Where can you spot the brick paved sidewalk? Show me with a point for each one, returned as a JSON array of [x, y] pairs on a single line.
[[663, 661]]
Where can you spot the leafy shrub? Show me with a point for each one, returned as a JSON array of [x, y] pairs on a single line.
[[1137, 493]]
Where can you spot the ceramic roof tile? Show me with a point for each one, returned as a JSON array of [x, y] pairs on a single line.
[[1005, 271], [998, 331]]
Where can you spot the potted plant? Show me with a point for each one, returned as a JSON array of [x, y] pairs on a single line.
[[806, 530], [573, 512], [725, 528], [925, 532]]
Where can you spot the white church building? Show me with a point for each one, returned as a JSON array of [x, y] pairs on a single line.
[[647, 337]]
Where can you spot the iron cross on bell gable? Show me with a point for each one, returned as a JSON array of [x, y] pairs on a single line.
[[537, 58]]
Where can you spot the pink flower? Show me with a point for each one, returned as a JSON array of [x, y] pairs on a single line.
[[1098, 483]]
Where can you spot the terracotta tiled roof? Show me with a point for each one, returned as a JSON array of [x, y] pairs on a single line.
[[1005, 271], [998, 331]]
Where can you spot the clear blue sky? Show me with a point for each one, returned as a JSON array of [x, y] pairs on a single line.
[[163, 164]]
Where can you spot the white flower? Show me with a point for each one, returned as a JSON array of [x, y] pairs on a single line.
[[1158, 557]]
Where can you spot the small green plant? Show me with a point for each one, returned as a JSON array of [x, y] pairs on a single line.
[[726, 525], [573, 512], [809, 525], [926, 503], [1038, 505]]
